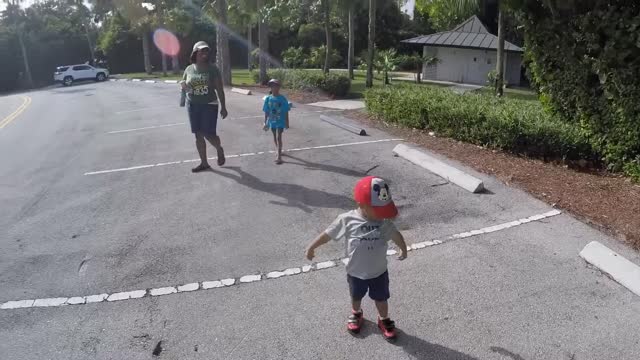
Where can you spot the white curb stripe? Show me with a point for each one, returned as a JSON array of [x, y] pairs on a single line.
[[608, 261], [235, 156], [205, 285]]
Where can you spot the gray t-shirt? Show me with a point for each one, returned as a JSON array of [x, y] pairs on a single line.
[[366, 243]]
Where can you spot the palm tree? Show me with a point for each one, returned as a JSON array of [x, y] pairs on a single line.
[[222, 41], [15, 18], [243, 16], [371, 49], [326, 11], [350, 56], [263, 39], [350, 6]]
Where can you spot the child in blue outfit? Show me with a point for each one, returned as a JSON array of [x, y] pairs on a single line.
[[276, 116]]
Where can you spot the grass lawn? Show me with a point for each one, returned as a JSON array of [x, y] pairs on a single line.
[[156, 75], [239, 76], [244, 77], [522, 94]]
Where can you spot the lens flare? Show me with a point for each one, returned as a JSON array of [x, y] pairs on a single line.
[[166, 42]]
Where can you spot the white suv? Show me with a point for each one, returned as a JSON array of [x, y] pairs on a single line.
[[70, 73]]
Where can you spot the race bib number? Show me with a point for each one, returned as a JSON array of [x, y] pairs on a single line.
[[201, 90]]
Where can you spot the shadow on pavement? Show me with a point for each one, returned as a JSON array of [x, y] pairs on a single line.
[[415, 347], [77, 89], [323, 167], [294, 195]]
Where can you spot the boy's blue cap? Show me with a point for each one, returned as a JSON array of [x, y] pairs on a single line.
[[273, 82]]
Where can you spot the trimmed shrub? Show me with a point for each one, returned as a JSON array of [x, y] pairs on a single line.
[[518, 126], [309, 80], [294, 57]]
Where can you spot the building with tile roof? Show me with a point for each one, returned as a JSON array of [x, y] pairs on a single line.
[[467, 54]]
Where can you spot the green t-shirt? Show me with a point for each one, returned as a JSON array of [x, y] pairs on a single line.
[[201, 84]]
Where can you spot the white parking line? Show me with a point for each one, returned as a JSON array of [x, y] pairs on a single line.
[[184, 123], [100, 172], [145, 128], [144, 109], [245, 279]]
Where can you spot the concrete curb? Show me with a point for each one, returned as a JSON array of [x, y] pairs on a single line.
[[608, 261], [241, 91], [150, 81], [440, 168], [136, 80], [171, 81], [350, 128]]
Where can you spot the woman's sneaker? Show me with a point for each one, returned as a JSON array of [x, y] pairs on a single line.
[[388, 328], [355, 322]]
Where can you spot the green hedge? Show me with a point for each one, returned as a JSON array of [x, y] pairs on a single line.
[[585, 60], [518, 126], [332, 83]]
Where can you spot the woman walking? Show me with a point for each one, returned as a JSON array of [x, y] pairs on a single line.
[[204, 96]]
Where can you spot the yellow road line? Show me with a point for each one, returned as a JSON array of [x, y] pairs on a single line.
[[25, 103]]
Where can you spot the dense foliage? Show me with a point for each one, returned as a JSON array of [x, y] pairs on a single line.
[[586, 64], [52, 32]]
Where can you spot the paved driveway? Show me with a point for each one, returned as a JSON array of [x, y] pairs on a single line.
[[98, 199]]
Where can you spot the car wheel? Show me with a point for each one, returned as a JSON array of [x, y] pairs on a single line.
[[100, 77], [67, 81]]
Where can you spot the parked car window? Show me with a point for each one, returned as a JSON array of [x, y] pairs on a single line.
[[81, 67]]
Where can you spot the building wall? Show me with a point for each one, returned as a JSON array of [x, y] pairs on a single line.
[[429, 72], [469, 66]]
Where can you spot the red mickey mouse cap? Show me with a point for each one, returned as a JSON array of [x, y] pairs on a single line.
[[374, 191]]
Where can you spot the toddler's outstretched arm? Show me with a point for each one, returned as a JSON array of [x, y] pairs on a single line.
[[320, 240]]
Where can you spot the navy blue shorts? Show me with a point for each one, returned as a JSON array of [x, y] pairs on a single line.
[[378, 288], [203, 118]]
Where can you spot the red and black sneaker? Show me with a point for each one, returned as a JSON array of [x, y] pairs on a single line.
[[355, 322], [388, 328]]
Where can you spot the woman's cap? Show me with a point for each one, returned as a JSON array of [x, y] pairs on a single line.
[[200, 45], [374, 191]]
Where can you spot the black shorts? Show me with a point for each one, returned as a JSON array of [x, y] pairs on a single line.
[[378, 287], [203, 118]]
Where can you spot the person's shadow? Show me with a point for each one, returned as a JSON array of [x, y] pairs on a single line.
[[414, 346], [309, 165], [293, 195]]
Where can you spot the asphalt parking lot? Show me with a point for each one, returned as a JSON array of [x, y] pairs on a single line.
[[98, 198]]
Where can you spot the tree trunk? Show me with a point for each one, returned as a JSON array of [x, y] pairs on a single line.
[[223, 43], [145, 52], [327, 31], [263, 38], [372, 34], [350, 56], [164, 64], [25, 59], [249, 46], [175, 64], [500, 55], [93, 56]]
